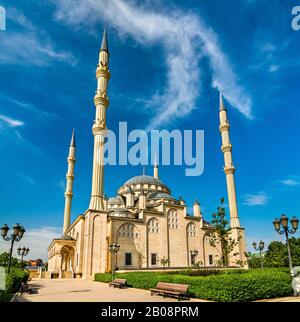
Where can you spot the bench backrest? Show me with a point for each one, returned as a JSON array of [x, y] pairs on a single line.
[[183, 288], [121, 281]]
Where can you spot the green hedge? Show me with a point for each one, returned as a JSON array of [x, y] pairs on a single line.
[[233, 287], [13, 282]]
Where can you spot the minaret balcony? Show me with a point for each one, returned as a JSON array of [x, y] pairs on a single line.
[[224, 127], [101, 72], [71, 159], [229, 170], [68, 194], [226, 148], [70, 176], [101, 99]]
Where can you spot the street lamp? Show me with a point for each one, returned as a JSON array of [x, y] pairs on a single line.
[[260, 248], [193, 256], [22, 252], [18, 232], [113, 248], [284, 222]]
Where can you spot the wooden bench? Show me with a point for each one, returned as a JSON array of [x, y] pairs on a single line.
[[173, 290], [118, 282]]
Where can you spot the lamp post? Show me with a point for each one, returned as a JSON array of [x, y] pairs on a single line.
[[260, 248], [17, 234], [22, 252], [284, 223], [193, 256], [113, 248]]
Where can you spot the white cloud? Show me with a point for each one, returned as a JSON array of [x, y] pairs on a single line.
[[185, 39], [28, 45], [290, 182], [7, 121], [260, 199], [273, 68], [37, 240]]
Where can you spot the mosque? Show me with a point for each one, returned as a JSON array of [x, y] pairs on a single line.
[[152, 227]]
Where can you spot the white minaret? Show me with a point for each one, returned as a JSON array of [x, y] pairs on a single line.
[[229, 168], [69, 187], [99, 127]]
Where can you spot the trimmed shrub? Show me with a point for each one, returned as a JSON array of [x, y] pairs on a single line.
[[233, 287], [13, 282], [15, 278]]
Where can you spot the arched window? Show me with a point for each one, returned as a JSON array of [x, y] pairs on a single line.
[[191, 230], [173, 219], [128, 231], [153, 226]]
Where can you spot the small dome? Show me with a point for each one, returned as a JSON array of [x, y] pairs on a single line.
[[121, 212], [116, 200], [161, 195]]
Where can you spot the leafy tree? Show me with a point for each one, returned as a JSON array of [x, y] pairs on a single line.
[[277, 253], [4, 259], [221, 238], [254, 260]]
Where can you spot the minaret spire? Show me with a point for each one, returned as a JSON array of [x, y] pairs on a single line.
[[155, 171], [229, 168], [104, 44], [69, 187], [99, 127]]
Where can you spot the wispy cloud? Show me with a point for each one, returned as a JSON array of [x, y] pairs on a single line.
[[260, 199], [37, 240], [28, 107], [26, 177], [7, 121], [185, 39], [290, 182], [27, 44]]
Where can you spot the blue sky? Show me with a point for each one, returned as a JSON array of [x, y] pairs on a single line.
[[168, 61]]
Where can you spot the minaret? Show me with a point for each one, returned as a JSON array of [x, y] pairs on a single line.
[[155, 170], [99, 127], [229, 168], [70, 179]]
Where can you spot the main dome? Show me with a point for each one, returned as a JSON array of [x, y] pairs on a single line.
[[143, 183], [143, 179]]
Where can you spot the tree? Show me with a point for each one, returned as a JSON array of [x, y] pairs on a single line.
[[221, 237], [254, 260], [277, 254], [164, 261], [4, 259]]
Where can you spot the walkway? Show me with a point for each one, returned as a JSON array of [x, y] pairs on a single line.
[[78, 290]]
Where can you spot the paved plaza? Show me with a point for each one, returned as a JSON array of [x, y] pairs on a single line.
[[79, 290]]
